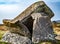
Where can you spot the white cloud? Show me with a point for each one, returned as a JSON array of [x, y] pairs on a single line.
[[9, 1], [8, 8], [9, 11]]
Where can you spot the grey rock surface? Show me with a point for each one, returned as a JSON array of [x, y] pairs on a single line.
[[42, 28], [20, 29], [15, 38]]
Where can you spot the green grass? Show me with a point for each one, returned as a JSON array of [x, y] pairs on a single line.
[[1, 42], [1, 34]]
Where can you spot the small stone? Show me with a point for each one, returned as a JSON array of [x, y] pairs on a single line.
[[57, 37]]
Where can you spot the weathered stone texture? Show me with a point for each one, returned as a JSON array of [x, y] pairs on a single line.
[[15, 38], [42, 28], [20, 29]]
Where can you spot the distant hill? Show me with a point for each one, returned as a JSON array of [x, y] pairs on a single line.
[[58, 21]]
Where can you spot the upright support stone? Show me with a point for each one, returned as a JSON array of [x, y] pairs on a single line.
[[42, 28]]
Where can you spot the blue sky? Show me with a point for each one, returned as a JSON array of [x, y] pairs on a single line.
[[9, 9]]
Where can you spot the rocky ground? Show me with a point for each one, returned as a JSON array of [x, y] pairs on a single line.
[[56, 30]]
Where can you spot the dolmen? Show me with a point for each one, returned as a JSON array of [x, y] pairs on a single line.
[[32, 26]]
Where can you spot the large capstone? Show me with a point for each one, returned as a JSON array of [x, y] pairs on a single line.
[[15, 38], [36, 7], [42, 28]]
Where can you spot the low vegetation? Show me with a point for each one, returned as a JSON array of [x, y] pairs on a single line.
[[1, 34]]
